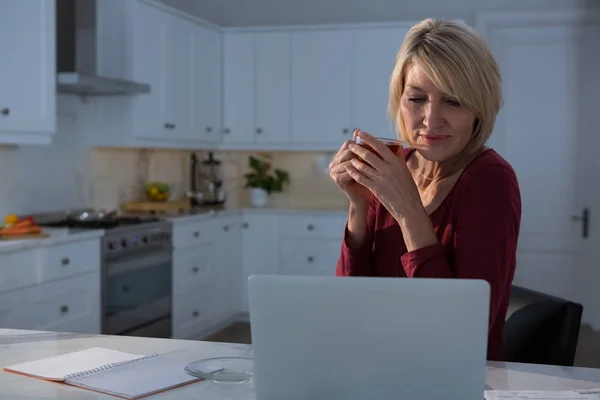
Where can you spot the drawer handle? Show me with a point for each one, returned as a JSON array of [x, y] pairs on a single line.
[[226, 228], [196, 234], [5, 111], [195, 313], [64, 309], [65, 261], [310, 259], [195, 269], [310, 227], [245, 225]]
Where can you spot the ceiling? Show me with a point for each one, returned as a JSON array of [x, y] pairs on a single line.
[[245, 13]]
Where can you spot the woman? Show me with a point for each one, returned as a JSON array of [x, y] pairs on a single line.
[[448, 207]]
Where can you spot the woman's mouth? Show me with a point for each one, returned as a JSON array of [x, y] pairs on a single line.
[[433, 140]]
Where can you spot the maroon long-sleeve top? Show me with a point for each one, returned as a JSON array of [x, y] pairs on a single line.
[[477, 226]]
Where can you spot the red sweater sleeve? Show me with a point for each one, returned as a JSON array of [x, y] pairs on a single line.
[[357, 261], [485, 242]]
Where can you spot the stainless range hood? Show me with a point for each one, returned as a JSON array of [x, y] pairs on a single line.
[[76, 53]]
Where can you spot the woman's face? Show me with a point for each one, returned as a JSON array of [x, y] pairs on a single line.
[[438, 126]]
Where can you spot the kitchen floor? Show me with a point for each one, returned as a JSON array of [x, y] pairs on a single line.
[[588, 349]]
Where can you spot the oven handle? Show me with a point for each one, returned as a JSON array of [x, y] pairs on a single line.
[[135, 262]]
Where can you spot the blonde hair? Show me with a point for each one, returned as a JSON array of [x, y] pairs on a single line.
[[458, 61]]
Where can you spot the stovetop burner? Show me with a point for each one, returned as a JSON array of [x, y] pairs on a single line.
[[107, 223]]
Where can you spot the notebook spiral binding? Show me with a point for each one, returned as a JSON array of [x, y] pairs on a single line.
[[78, 375]]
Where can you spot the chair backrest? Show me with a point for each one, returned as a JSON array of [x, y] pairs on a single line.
[[545, 331]]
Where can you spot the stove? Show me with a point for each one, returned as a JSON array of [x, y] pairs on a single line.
[[106, 223], [136, 274]]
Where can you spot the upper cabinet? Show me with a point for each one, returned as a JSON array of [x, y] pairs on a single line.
[[27, 72], [256, 89], [180, 58], [307, 89], [322, 87]]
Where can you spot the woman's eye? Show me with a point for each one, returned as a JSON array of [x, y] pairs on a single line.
[[453, 103], [417, 100]]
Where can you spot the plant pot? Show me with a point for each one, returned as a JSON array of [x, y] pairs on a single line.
[[259, 197]]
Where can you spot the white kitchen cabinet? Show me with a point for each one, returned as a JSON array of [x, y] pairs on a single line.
[[194, 282], [340, 82], [257, 89], [229, 288], [214, 255], [55, 288], [27, 72], [260, 248], [180, 58], [322, 87], [206, 274], [207, 72], [374, 57], [310, 244], [307, 88]]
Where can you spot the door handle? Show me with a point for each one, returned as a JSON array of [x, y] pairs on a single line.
[[585, 221]]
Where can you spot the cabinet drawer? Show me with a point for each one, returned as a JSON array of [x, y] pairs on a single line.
[[57, 303], [18, 269], [62, 261], [312, 226], [193, 233], [45, 264], [309, 257], [192, 313], [193, 269]]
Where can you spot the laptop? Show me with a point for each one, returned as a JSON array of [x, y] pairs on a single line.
[[334, 338]]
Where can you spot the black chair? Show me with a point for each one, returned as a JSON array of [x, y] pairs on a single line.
[[544, 331]]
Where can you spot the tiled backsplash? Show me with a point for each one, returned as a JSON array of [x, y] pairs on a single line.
[[67, 174]]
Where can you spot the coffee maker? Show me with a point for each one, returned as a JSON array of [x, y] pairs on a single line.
[[206, 185]]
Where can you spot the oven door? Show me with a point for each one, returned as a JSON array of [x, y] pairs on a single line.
[[137, 295]]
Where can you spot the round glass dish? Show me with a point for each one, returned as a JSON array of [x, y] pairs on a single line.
[[222, 369]]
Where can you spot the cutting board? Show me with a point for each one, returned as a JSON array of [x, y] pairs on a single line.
[[24, 237], [156, 207]]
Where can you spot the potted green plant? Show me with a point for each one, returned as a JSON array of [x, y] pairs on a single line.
[[263, 179]]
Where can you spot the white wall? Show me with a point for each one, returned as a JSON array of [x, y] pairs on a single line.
[[41, 178]]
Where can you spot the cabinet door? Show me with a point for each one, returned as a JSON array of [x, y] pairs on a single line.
[[230, 266], [206, 78], [238, 88], [149, 64], [322, 87], [273, 87], [27, 67], [260, 249], [374, 57], [180, 39]]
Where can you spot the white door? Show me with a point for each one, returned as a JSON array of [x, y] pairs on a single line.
[[27, 67], [548, 131]]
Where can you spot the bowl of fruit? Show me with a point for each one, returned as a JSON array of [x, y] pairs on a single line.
[[157, 191]]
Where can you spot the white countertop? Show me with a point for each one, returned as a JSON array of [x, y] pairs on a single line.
[[17, 346], [203, 214], [57, 236]]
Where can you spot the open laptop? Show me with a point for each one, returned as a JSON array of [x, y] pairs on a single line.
[[333, 338]]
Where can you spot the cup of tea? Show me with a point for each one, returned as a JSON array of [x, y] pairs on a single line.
[[393, 144]]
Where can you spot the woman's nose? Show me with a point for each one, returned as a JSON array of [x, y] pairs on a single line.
[[433, 115]]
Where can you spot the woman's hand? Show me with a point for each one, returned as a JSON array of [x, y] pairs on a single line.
[[387, 177], [355, 192]]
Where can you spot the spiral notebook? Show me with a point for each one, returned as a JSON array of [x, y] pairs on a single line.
[[126, 375]]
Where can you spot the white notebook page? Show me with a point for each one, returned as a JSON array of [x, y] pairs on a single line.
[[57, 367], [138, 378]]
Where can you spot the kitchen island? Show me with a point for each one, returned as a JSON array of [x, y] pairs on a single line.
[[17, 346]]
